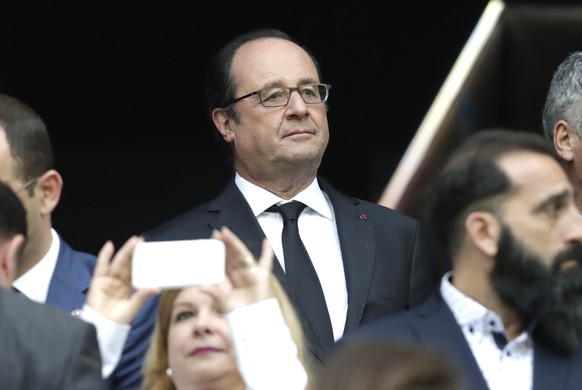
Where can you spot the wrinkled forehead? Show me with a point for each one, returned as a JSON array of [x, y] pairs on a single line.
[[272, 61], [197, 295]]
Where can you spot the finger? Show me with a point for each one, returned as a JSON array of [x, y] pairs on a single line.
[[134, 304], [121, 263], [237, 254], [267, 255], [103, 259]]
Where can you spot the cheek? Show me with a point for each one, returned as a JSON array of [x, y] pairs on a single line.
[[223, 331], [540, 240], [320, 119], [176, 338], [254, 142]]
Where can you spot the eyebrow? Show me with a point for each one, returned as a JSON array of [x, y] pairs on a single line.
[[556, 198]]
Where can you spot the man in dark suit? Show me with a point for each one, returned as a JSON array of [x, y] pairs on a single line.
[[50, 271], [509, 314], [369, 260], [42, 347]]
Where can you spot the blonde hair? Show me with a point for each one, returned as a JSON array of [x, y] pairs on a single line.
[[156, 360], [294, 324]]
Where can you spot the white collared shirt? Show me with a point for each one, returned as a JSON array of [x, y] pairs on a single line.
[[508, 368], [35, 283], [317, 229]]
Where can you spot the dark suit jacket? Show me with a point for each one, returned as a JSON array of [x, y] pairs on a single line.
[[68, 289], [386, 265], [432, 324], [44, 348]]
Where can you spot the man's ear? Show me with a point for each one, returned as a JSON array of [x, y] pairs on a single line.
[[10, 249], [484, 230], [223, 124], [565, 140], [49, 187]]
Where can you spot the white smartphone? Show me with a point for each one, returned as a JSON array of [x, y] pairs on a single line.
[[177, 264]]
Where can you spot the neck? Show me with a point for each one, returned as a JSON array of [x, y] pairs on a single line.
[[284, 186], [475, 286], [36, 247]]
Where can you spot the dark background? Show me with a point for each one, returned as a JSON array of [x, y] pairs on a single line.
[[120, 87]]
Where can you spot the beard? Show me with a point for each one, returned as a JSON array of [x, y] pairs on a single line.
[[549, 298]]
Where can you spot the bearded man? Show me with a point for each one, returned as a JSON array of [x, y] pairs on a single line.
[[509, 314]]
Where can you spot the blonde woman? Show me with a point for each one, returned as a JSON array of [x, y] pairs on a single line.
[[239, 335]]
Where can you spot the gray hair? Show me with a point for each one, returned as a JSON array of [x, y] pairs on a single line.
[[564, 99]]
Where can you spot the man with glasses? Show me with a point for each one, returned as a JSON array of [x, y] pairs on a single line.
[[269, 105], [49, 270]]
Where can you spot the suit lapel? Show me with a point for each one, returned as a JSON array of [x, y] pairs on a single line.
[[231, 209], [550, 370], [70, 281], [436, 325], [356, 236]]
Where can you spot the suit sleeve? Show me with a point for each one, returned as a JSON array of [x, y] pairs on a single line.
[[128, 373], [83, 370], [424, 274]]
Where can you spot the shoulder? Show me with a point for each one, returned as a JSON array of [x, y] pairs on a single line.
[[405, 323], [65, 250], [50, 346], [42, 320], [343, 201], [179, 226]]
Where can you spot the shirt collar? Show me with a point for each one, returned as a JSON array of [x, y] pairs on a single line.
[[36, 281], [260, 199], [467, 311]]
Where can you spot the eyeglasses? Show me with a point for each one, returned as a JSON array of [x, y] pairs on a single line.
[[27, 184], [280, 96]]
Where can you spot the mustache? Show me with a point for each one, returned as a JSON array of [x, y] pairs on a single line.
[[574, 252]]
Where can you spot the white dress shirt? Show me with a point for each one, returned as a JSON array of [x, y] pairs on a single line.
[[35, 285], [510, 367], [318, 232]]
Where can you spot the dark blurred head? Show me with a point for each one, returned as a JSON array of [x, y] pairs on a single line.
[[384, 365]]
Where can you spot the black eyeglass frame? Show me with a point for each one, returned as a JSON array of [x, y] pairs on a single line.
[[291, 90]]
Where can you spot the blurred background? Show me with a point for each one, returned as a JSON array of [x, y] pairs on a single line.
[[120, 87]]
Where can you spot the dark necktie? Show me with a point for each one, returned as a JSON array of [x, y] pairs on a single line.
[[302, 275], [500, 340]]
